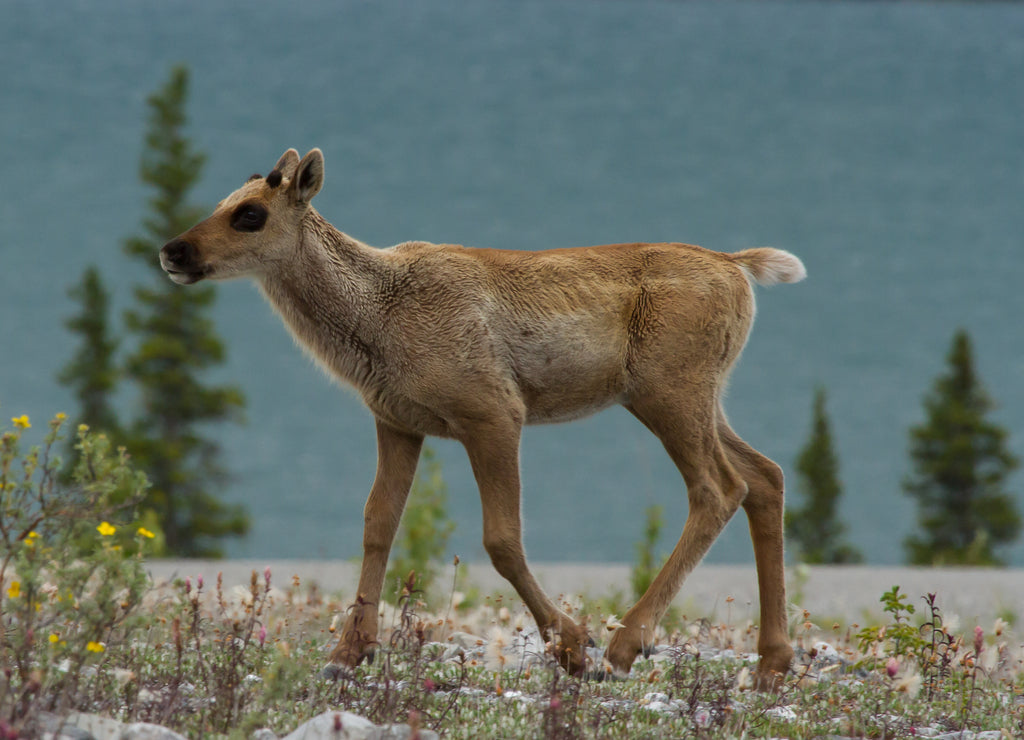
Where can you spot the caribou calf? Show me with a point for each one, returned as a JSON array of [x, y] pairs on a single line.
[[471, 344]]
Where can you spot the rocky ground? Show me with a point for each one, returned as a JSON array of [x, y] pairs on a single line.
[[849, 594]]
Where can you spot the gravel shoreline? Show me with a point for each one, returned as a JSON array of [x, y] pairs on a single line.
[[847, 593]]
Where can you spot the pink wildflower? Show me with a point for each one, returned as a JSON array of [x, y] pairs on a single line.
[[892, 667]]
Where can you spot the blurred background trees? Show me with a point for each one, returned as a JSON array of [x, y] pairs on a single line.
[[961, 462], [814, 529], [173, 344]]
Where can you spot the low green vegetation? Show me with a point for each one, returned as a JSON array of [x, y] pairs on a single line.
[[422, 540], [84, 630], [647, 564]]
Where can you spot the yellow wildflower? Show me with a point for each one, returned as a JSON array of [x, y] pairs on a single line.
[[95, 647], [106, 529], [14, 591], [61, 416], [21, 422], [54, 638], [31, 537], [143, 532]]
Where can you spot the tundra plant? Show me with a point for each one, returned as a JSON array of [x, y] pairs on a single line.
[[71, 569]]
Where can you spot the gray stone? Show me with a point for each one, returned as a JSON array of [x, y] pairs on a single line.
[[263, 734], [347, 726], [79, 725], [148, 731]]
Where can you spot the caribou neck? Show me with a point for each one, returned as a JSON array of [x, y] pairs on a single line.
[[325, 293]]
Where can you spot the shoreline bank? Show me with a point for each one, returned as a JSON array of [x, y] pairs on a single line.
[[849, 593]]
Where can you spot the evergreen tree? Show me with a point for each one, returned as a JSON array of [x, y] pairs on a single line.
[[961, 462], [815, 528], [92, 372], [176, 342]]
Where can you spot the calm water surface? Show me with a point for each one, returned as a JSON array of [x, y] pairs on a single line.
[[880, 142]]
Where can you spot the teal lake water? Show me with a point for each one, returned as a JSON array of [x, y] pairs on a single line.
[[883, 143]]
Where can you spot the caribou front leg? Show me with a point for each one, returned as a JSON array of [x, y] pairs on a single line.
[[493, 449], [397, 455]]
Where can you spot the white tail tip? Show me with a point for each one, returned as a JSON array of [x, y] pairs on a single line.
[[768, 266]]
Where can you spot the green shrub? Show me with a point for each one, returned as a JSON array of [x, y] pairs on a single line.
[[70, 567], [423, 536]]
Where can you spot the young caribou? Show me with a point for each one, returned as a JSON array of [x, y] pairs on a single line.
[[471, 344]]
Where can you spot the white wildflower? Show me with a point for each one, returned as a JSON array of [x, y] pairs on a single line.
[[988, 660], [498, 642], [743, 681], [612, 623], [520, 622], [909, 684]]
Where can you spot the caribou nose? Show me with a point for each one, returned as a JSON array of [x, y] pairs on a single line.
[[178, 253]]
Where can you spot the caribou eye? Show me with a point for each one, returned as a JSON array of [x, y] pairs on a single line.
[[249, 217]]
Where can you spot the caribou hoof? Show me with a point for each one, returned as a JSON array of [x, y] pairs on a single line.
[[335, 672]]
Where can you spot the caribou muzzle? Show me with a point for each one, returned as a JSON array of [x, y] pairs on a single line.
[[180, 260]]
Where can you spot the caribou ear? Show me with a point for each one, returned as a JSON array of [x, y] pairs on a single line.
[[309, 177], [287, 163]]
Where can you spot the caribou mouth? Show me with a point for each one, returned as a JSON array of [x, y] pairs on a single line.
[[182, 277]]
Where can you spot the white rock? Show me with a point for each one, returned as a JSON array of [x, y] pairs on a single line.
[[825, 651], [661, 706], [784, 713], [101, 728], [653, 696], [147, 731], [352, 727]]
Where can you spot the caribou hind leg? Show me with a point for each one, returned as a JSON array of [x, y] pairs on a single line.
[[764, 509], [685, 425]]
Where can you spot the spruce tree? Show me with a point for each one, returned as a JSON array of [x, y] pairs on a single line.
[[92, 372], [961, 462], [815, 528], [175, 343]]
